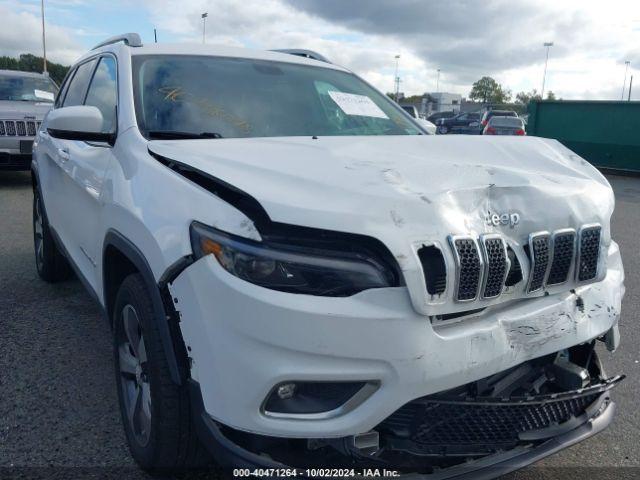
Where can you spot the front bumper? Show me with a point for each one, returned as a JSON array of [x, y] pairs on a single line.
[[229, 454], [243, 340]]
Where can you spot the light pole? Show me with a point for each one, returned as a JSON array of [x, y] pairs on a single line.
[[624, 83], [547, 45], [44, 43], [438, 82], [204, 23], [396, 82]]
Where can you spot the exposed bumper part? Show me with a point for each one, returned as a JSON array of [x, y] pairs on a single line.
[[231, 455]]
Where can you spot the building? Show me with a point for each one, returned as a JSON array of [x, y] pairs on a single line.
[[441, 102]]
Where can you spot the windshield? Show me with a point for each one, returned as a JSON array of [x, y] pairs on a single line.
[[514, 122], [27, 89], [219, 97]]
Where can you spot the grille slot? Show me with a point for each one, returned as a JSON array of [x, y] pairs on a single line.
[[11, 128], [539, 254], [21, 129], [588, 252], [2, 129], [563, 242], [31, 129], [434, 269], [497, 265], [468, 267]]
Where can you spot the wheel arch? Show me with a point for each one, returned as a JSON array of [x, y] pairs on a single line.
[[121, 257]]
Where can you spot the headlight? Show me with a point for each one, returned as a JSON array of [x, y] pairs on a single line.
[[290, 268]]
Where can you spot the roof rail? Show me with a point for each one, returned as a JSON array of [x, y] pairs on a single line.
[[130, 39], [304, 53]]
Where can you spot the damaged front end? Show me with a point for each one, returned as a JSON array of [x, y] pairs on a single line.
[[494, 425]]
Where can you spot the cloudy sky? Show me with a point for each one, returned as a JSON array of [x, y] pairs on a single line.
[[464, 39]]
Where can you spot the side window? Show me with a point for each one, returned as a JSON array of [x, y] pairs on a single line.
[[64, 88], [103, 92], [78, 86]]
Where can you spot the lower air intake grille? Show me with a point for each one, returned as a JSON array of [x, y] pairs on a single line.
[[588, 253], [563, 253], [469, 267], [539, 253], [462, 424]]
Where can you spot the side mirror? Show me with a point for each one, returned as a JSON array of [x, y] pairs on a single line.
[[81, 122]]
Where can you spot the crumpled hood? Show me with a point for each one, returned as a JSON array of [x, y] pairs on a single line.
[[12, 110], [407, 187], [409, 191]]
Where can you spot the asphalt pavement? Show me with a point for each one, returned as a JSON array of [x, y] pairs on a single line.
[[58, 405]]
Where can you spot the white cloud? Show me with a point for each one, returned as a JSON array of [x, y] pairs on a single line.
[[21, 32]]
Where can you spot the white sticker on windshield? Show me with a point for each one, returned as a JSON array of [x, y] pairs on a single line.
[[353, 104], [43, 94]]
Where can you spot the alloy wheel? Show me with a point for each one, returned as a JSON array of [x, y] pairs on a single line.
[[134, 378]]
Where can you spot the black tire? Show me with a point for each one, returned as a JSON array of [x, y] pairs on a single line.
[[51, 264], [168, 441]]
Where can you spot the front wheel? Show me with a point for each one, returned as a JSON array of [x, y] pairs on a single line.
[[155, 411]]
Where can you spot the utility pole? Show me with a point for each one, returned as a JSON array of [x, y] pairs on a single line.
[[204, 22], [630, 85], [44, 43], [396, 80], [547, 45], [155, 35], [438, 82], [624, 83]]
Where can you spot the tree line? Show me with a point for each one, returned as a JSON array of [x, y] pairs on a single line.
[[27, 62], [487, 90]]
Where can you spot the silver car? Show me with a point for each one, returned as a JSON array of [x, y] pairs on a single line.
[[25, 98]]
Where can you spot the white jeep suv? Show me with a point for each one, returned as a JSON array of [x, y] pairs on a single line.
[[297, 274]]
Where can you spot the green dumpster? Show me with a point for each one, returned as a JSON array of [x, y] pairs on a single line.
[[605, 133]]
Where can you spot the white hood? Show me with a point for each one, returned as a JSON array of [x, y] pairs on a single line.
[[407, 190]]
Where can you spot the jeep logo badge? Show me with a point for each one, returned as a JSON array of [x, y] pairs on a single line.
[[496, 219]]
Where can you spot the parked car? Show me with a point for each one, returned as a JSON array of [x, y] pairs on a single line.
[[413, 111], [462, 123], [24, 99], [296, 276], [486, 116], [434, 117], [504, 126]]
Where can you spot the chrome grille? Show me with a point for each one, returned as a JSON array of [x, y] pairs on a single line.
[[588, 253], [563, 242], [539, 252], [487, 266], [497, 265], [468, 266], [19, 128]]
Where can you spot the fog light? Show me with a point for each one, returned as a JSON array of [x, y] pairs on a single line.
[[300, 398], [286, 391]]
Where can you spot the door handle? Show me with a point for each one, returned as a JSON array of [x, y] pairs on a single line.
[[63, 153]]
